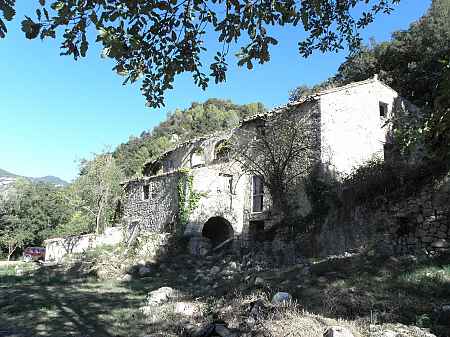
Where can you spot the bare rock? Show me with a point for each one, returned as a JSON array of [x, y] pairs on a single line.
[[259, 281], [160, 295], [214, 270], [337, 331], [223, 331], [186, 309], [281, 297], [144, 271]]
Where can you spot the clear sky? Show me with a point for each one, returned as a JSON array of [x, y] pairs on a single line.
[[55, 111]]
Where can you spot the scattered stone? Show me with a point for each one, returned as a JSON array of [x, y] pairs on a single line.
[[223, 331], [389, 333], [199, 246], [257, 309], [337, 331], [281, 297], [144, 271], [186, 309], [322, 279], [126, 278], [204, 331], [443, 316], [442, 243], [259, 281], [160, 295]]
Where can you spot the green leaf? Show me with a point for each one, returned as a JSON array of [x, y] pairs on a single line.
[[30, 28], [83, 48]]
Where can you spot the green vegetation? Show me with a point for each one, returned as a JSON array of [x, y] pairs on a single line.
[[188, 198], [35, 211], [197, 120], [30, 214], [415, 62], [159, 40], [356, 291]]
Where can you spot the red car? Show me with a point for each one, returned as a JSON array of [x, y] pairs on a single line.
[[34, 254]]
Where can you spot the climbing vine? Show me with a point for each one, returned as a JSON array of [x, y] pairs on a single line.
[[188, 198]]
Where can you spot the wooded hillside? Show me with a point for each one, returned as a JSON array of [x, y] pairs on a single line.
[[199, 119]]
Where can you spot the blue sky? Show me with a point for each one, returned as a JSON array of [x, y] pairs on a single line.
[[55, 111]]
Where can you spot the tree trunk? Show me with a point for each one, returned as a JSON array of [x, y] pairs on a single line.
[[98, 217], [11, 249]]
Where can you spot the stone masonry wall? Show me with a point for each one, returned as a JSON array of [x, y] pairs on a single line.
[[418, 222], [56, 249], [157, 213]]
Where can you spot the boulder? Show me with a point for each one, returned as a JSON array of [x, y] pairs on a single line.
[[214, 270], [186, 309], [126, 278], [281, 297], [389, 333], [160, 295], [440, 244], [144, 271], [259, 281], [337, 331], [199, 246], [223, 331], [233, 265], [443, 316]]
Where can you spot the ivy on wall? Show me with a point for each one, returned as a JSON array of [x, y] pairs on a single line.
[[188, 198]]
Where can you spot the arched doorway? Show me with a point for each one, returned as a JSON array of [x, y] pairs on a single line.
[[217, 229]]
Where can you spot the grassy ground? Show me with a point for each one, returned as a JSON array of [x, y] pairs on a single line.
[[57, 301]]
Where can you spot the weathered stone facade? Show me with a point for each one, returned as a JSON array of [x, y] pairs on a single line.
[[159, 211], [351, 129], [418, 222]]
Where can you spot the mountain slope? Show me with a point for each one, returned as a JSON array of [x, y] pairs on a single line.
[[4, 173], [51, 180], [7, 180], [199, 119]]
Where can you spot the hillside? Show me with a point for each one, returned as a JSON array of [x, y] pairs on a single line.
[[7, 180], [199, 119], [4, 173]]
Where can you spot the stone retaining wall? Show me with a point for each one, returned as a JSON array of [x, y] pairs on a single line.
[[418, 222]]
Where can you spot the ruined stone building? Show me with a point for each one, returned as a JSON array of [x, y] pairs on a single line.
[[229, 203]]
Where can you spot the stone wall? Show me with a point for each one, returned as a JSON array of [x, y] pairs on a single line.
[[417, 222], [157, 213], [56, 249]]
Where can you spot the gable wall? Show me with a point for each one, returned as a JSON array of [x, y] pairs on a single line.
[[160, 210], [352, 131]]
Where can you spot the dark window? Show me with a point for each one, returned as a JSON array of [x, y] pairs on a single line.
[[257, 194], [225, 183], [146, 192], [383, 109]]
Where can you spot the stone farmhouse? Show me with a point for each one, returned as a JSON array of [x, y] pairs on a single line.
[[233, 204]]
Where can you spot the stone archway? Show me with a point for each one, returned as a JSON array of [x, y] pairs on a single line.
[[217, 229]]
